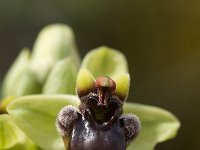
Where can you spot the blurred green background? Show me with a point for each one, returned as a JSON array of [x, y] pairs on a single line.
[[161, 40]]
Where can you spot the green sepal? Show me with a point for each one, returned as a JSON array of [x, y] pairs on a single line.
[[15, 73], [36, 116], [28, 84], [62, 78], [10, 134], [157, 125], [27, 144], [105, 61]]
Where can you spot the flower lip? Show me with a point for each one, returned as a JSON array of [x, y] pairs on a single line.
[[101, 113]]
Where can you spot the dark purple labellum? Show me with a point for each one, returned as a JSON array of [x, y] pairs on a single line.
[[87, 135], [98, 124]]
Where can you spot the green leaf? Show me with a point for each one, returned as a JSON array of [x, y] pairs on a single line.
[[105, 61], [15, 73], [53, 43], [10, 134], [62, 78], [36, 116], [157, 125]]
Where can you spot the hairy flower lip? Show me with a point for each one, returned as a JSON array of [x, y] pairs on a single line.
[[89, 115], [110, 116], [101, 113]]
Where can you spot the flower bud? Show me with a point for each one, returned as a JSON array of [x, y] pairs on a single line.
[[53, 43]]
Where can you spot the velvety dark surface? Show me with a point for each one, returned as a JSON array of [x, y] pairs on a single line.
[[161, 40], [87, 136]]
